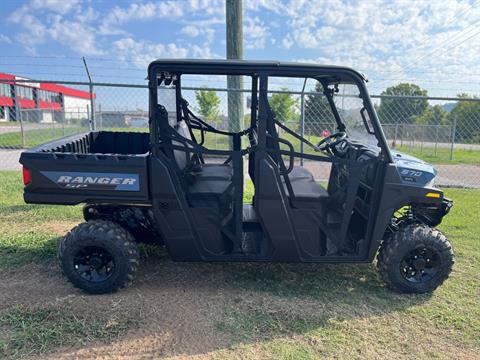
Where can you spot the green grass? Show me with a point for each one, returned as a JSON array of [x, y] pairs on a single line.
[[442, 155], [29, 233], [8, 123], [29, 330], [36, 137], [272, 311], [344, 311]]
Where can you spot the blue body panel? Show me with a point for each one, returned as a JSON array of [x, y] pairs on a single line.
[[412, 170]]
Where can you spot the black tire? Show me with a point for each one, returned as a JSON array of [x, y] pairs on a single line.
[[415, 259], [98, 256]]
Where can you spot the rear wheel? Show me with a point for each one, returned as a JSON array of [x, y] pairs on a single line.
[[138, 221], [415, 259], [98, 256]]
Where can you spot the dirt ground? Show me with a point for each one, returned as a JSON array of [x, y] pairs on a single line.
[[171, 306], [174, 310], [238, 311]]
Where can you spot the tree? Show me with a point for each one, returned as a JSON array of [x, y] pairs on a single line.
[[435, 115], [465, 116], [402, 110], [283, 106], [318, 111], [209, 103]]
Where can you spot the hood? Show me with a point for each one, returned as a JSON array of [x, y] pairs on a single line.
[[412, 169]]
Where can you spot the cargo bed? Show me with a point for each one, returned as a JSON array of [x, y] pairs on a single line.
[[93, 167]]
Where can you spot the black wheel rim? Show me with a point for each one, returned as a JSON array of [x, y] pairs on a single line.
[[420, 265], [94, 264]]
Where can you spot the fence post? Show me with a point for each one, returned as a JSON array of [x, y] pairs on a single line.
[[100, 116], [412, 140], [423, 139], [53, 124], [22, 130], [92, 107], [302, 124], [302, 119], [90, 120], [395, 136], [436, 139], [63, 122], [452, 138], [403, 133]]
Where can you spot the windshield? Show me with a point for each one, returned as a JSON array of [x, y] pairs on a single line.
[[352, 112]]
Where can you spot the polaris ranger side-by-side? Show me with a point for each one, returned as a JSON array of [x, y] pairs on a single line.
[[163, 186]]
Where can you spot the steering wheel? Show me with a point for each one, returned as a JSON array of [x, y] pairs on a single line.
[[328, 143]]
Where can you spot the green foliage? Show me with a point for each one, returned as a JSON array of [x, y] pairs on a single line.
[[318, 111], [284, 106], [396, 110], [466, 116], [435, 115], [209, 103]]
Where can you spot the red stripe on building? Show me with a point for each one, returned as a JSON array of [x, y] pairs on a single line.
[[6, 101], [4, 76], [49, 105], [66, 91], [7, 76], [26, 104]]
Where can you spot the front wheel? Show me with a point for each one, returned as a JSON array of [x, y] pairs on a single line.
[[415, 259], [98, 256]]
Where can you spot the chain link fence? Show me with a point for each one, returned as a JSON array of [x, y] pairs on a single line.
[[441, 131]]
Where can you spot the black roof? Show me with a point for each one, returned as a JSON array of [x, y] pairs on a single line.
[[250, 67]]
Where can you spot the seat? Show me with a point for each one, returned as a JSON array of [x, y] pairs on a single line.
[[212, 189], [299, 172], [212, 172], [307, 192], [199, 171], [205, 182]]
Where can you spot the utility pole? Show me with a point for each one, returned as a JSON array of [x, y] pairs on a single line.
[[234, 18]]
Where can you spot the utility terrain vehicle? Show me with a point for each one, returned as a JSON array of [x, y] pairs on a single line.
[[168, 187]]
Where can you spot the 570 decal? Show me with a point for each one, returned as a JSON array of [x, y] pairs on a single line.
[[411, 173]]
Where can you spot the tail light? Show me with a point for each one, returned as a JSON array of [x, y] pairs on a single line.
[[27, 179]]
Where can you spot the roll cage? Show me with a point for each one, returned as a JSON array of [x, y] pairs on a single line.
[[284, 193], [170, 72]]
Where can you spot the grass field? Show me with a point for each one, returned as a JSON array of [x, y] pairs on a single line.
[[248, 311], [442, 155], [36, 137]]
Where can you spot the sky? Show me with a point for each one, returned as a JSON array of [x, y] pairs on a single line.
[[435, 44]]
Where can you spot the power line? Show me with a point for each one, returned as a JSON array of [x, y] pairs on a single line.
[[72, 66], [455, 37], [444, 45], [58, 57], [452, 20], [42, 65], [464, 12], [427, 81], [438, 72]]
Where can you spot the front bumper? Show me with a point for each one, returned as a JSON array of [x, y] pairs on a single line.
[[431, 214]]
